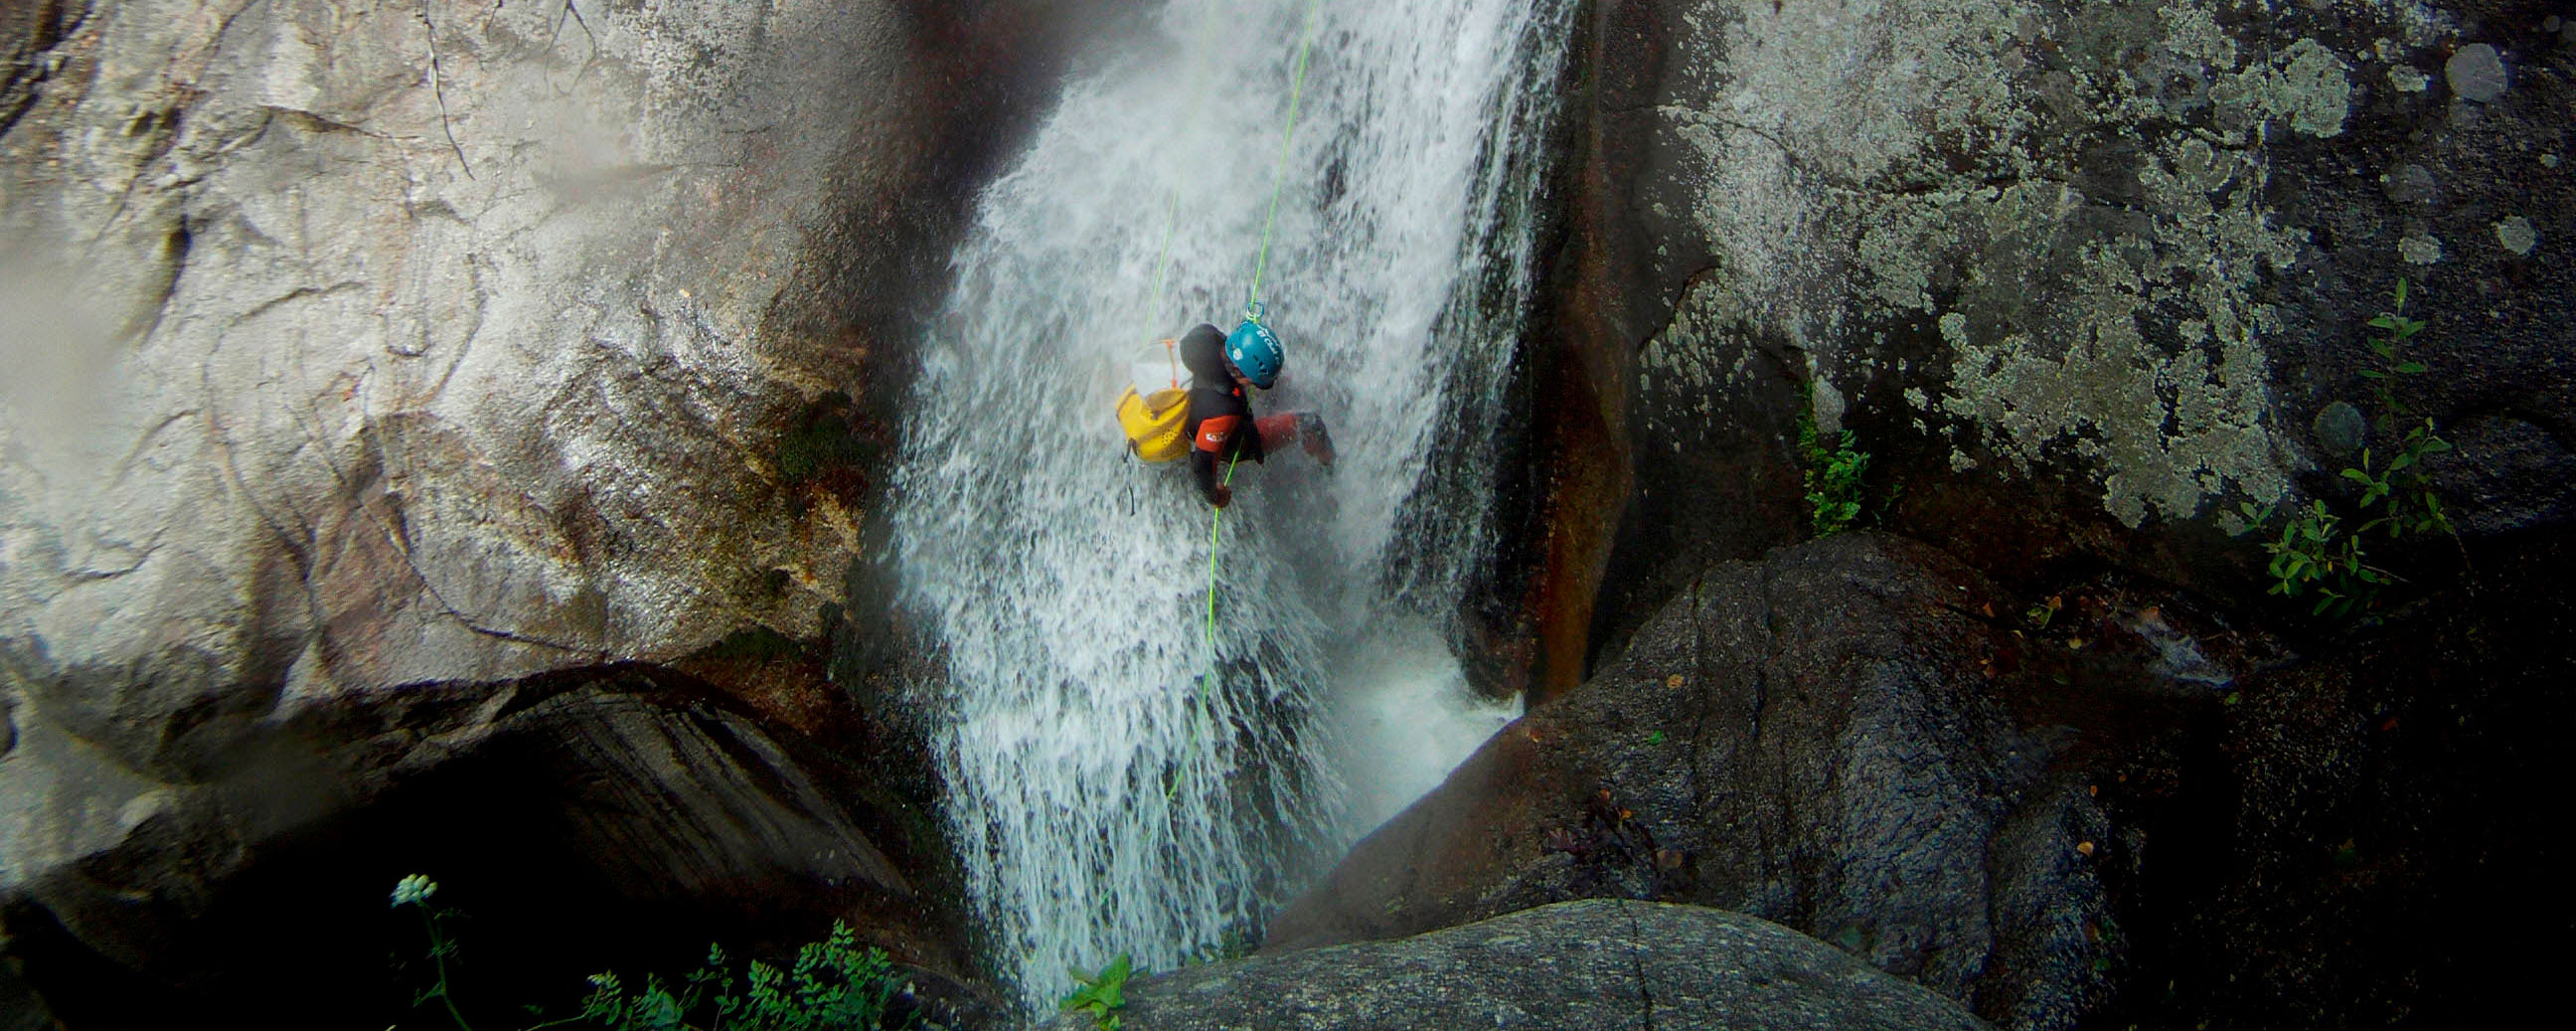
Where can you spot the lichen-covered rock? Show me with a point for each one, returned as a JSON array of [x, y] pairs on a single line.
[[2476, 72], [2082, 275], [1604, 965], [1844, 737]]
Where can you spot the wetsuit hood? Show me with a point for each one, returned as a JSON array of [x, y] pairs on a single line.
[[1203, 353]]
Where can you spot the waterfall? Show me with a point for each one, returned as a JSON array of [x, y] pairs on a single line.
[[1114, 783]]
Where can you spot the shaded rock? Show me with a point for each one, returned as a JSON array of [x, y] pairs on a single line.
[[583, 820], [2351, 843], [2409, 184], [1845, 737], [21, 1008], [1576, 966], [2505, 474]]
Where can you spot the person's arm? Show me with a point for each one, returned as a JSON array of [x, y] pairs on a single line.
[[1206, 454]]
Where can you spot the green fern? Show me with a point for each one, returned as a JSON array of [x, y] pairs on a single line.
[[1833, 477]]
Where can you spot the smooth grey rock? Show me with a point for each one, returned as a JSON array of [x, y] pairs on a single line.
[[323, 404], [351, 349], [1601, 965], [369, 408]]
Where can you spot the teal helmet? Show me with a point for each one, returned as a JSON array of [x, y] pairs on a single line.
[[1255, 350]]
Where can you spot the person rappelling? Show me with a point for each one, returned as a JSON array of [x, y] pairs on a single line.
[[1224, 367], [1210, 419]]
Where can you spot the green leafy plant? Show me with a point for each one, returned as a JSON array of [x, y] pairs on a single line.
[[2323, 554], [834, 985], [2315, 556], [1833, 476], [1234, 942], [1101, 995]]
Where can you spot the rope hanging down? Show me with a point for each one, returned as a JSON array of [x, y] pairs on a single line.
[[1252, 300], [1252, 310], [1296, 96]]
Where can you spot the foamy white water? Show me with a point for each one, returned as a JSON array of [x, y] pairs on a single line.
[[1107, 797], [1406, 716]]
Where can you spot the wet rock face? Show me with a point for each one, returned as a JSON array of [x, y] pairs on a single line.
[[27, 31], [1818, 739], [1597, 965], [2082, 276]]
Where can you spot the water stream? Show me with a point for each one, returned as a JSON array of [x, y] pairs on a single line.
[[1116, 782]]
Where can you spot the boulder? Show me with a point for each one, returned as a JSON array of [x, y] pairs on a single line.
[[1858, 737], [1577, 966], [2103, 804]]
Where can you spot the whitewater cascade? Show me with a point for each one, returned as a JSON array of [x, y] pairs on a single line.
[[1105, 799]]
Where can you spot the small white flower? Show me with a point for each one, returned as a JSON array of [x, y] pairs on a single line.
[[414, 889]]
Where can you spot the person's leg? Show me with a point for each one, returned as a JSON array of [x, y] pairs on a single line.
[[1319, 444], [1278, 431], [1285, 428]]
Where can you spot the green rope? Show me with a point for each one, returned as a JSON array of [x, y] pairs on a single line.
[[1296, 96], [1216, 522], [1199, 69], [1260, 267]]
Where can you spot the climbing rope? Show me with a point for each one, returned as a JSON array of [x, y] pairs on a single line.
[[1252, 309], [1279, 179], [1197, 91], [1252, 300]]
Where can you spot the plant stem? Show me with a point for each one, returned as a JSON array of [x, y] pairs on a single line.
[[438, 955]]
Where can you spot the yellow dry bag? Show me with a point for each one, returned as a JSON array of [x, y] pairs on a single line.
[[1156, 407], [1154, 423]]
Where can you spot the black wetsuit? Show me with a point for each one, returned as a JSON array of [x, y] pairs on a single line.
[[1220, 425]]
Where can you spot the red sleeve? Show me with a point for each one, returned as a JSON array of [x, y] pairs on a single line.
[[1215, 430]]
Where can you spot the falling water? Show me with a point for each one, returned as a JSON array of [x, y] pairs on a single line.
[[1119, 779]]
